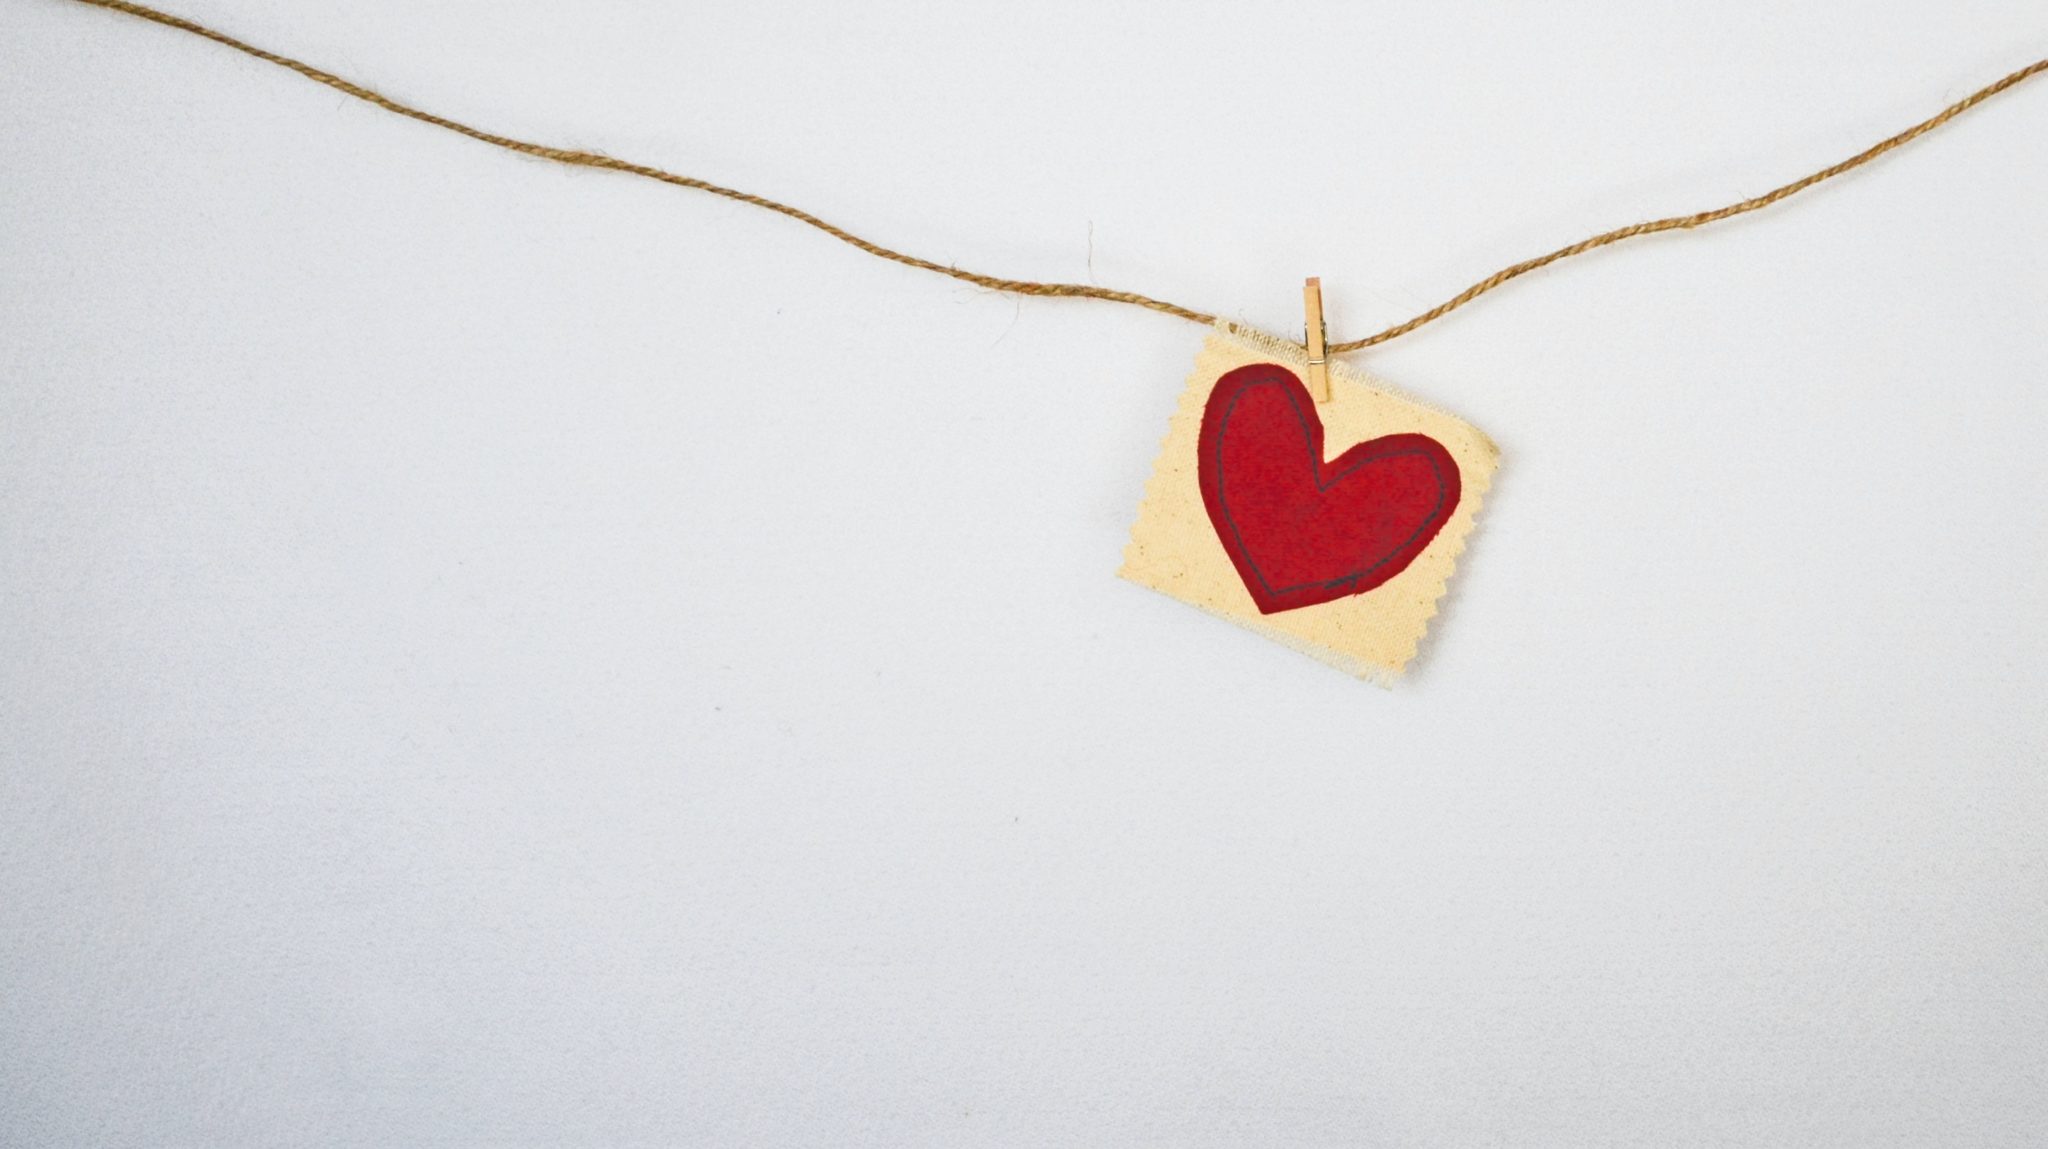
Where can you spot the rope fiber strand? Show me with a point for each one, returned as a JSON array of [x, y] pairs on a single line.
[[576, 158]]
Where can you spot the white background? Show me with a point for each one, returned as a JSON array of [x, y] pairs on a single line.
[[497, 654]]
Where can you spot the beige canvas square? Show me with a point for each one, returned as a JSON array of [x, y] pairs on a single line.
[[1174, 548]]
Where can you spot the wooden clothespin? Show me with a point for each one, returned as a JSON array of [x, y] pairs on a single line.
[[1318, 354]]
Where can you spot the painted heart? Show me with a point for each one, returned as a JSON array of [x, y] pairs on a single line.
[[1300, 530]]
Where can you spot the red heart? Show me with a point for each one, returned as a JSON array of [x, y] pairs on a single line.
[[1301, 531]]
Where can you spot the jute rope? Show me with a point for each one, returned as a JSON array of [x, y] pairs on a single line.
[[1074, 290]]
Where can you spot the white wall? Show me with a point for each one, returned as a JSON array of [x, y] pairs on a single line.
[[492, 654]]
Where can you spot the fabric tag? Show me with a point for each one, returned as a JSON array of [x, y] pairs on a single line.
[[1331, 527]]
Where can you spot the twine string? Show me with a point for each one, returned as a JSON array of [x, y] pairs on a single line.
[[587, 159], [1698, 219]]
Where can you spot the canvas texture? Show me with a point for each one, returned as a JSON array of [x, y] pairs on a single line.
[[1330, 527]]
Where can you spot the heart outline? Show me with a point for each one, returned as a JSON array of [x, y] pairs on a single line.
[[1384, 557]]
